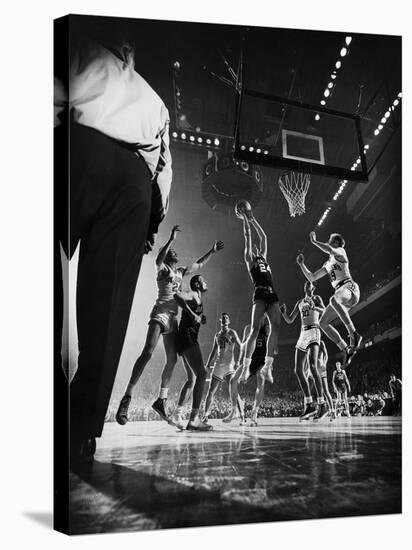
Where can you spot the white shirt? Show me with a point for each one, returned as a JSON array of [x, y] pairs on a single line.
[[338, 266], [107, 94]]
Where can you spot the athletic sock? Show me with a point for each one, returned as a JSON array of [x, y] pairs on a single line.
[[308, 400], [194, 415], [179, 410], [163, 393], [342, 345], [248, 361], [320, 400]]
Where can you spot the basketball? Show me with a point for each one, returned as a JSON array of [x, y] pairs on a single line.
[[243, 207]]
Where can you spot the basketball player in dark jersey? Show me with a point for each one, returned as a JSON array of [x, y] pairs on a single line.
[[187, 346], [163, 321], [243, 374], [265, 299], [341, 386]]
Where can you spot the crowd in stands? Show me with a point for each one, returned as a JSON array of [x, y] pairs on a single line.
[[280, 404], [374, 286], [379, 327]]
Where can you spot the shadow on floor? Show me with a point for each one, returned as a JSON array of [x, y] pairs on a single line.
[[149, 501], [42, 518]]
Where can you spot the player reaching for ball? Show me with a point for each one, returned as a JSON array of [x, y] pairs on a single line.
[[163, 320], [346, 294], [265, 299]]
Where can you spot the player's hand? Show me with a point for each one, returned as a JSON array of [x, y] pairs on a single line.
[[197, 318], [175, 229], [300, 259], [203, 319], [218, 246], [283, 308], [312, 236], [149, 243]]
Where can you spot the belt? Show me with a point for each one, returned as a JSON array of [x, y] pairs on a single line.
[[343, 283], [308, 327]]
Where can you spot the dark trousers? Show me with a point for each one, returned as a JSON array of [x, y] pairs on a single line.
[[105, 205]]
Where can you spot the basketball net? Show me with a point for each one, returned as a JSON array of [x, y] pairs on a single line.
[[294, 186]]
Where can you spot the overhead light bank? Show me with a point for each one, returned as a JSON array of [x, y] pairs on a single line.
[[344, 51]]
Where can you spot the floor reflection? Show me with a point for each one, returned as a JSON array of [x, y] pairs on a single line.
[[153, 477]]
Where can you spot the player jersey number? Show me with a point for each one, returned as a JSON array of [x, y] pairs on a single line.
[[332, 274]]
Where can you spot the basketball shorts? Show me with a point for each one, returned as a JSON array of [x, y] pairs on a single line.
[[266, 295], [341, 388], [348, 294], [186, 338], [221, 370], [166, 318], [322, 369], [308, 337], [256, 364]]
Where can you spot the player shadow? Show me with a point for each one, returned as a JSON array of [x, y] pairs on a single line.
[[167, 502], [42, 518]]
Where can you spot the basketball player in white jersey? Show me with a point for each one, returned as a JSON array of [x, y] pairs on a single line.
[[225, 351], [265, 299], [310, 307], [163, 320], [323, 372], [346, 293]]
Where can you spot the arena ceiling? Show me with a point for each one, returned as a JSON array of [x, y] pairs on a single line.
[[194, 58]]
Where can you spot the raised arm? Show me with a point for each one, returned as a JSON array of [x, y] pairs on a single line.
[[300, 260], [212, 353], [165, 248], [290, 318], [248, 240], [325, 247], [182, 298], [263, 241], [218, 245]]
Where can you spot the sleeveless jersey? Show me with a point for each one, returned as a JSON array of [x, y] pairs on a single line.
[[225, 344], [338, 268], [340, 378], [261, 344], [261, 273], [308, 315], [187, 323], [169, 281]]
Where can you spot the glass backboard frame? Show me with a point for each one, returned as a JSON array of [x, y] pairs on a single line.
[[290, 162]]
